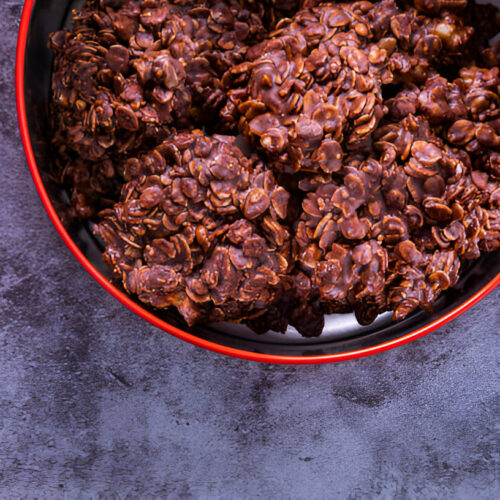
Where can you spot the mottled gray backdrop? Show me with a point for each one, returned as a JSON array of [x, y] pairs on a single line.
[[96, 403]]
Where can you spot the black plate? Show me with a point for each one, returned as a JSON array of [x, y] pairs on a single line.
[[342, 332]]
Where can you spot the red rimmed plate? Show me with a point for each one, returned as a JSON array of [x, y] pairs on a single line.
[[343, 338]]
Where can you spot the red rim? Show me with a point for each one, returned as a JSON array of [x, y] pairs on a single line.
[[124, 299]]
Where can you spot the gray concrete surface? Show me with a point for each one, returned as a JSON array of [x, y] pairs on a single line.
[[95, 403]]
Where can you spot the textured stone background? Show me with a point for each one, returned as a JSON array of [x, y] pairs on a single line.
[[95, 402]]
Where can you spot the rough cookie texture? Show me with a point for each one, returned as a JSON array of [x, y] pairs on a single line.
[[199, 228], [318, 81], [129, 70], [371, 173], [315, 84], [391, 232]]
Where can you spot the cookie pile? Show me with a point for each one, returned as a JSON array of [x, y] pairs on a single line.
[[272, 162]]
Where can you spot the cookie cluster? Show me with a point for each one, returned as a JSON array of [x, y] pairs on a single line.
[[272, 162]]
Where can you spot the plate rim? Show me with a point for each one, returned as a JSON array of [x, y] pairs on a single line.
[[150, 317]]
